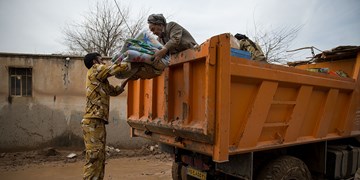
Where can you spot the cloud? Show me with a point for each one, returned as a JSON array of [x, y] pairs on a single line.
[[34, 26]]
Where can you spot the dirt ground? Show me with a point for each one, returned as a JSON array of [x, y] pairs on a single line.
[[146, 163]]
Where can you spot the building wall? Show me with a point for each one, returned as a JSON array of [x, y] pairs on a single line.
[[52, 115]]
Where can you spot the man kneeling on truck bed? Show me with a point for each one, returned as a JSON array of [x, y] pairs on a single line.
[[248, 45], [174, 37]]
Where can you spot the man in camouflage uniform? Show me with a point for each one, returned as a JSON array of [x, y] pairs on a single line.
[[98, 92], [247, 45]]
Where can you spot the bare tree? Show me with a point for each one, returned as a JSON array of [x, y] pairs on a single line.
[[275, 43], [104, 30]]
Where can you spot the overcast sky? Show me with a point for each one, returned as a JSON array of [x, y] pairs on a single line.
[[35, 26]]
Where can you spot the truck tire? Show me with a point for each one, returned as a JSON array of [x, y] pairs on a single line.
[[285, 168], [176, 171]]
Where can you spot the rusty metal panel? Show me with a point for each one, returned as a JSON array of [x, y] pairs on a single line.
[[302, 108], [222, 124], [180, 102]]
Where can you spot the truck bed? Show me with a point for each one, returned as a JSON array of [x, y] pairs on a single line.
[[216, 104]]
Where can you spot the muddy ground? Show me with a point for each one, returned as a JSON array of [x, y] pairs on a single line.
[[55, 164]]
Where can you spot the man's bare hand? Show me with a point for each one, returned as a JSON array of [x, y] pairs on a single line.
[[160, 54]]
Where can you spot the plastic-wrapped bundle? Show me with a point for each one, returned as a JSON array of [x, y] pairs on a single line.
[[139, 52], [148, 38], [134, 56]]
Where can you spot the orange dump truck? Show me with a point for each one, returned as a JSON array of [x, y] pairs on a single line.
[[224, 116]]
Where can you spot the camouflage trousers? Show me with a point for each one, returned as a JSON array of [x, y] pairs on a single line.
[[94, 139]]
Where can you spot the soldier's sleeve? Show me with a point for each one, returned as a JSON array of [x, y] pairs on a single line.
[[175, 35], [105, 71], [114, 91]]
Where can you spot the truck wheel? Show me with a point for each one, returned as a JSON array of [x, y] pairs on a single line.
[[285, 168], [176, 171]]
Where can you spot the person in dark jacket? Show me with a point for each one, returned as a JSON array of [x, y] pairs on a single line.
[[174, 37]]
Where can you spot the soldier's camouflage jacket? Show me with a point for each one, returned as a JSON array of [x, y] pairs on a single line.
[[98, 90]]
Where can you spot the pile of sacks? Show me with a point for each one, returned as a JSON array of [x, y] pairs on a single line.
[[139, 52]]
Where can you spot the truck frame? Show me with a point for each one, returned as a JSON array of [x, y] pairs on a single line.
[[225, 117]]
